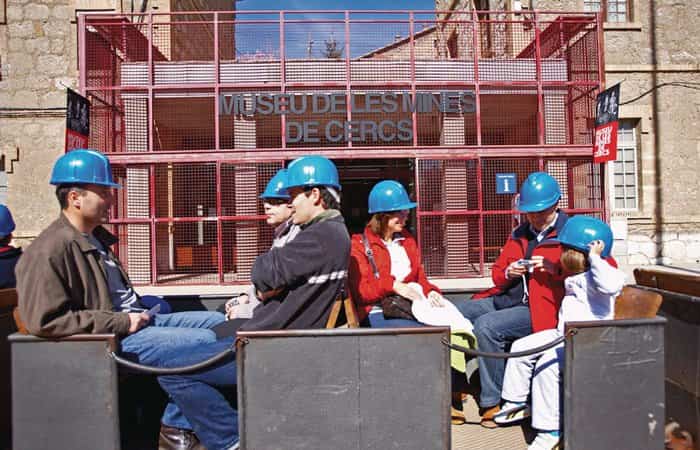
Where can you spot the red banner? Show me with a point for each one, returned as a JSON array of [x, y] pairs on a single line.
[[607, 108], [75, 140], [605, 146]]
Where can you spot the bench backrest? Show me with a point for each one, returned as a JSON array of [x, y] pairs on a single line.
[[682, 283], [350, 313], [637, 303]]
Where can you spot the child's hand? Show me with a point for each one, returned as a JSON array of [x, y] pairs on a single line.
[[596, 247]]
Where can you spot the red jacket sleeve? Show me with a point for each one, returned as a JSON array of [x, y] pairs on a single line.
[[364, 288], [511, 251]]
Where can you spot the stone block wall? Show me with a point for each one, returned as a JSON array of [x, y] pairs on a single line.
[[39, 58]]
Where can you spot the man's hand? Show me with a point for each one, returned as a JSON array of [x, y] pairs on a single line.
[[596, 247], [137, 321], [435, 299], [543, 265], [404, 291], [232, 305], [515, 270]]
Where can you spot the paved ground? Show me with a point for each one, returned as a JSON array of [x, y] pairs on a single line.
[[472, 436]]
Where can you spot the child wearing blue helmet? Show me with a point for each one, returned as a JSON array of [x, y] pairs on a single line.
[[591, 289]]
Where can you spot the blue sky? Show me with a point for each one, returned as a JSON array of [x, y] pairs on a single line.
[[262, 39], [255, 5]]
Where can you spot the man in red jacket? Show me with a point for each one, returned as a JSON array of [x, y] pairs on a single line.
[[528, 285]]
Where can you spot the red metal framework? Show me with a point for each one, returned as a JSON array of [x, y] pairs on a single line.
[[476, 93]]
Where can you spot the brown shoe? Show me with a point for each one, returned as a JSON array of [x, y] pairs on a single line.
[[487, 414], [177, 439], [457, 416], [457, 409]]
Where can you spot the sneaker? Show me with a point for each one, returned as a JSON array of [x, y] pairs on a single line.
[[546, 440], [512, 412]]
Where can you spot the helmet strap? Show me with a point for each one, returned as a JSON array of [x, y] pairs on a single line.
[[333, 193]]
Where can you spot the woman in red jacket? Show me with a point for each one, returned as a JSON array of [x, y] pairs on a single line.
[[396, 257]]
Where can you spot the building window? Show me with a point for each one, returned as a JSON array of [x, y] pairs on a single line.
[[3, 12], [617, 11], [625, 173]]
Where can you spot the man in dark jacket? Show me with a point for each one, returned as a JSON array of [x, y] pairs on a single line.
[[9, 255], [297, 284]]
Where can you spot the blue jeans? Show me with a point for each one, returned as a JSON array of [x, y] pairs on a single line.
[[152, 346], [199, 396], [495, 330], [377, 320]]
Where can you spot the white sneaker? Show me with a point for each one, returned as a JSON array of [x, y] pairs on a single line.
[[512, 412], [545, 440]]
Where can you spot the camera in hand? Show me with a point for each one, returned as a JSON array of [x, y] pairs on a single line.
[[527, 263]]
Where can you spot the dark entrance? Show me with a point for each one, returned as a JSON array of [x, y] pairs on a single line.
[[358, 176]]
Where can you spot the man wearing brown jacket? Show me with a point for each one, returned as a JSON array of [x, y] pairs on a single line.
[[69, 282]]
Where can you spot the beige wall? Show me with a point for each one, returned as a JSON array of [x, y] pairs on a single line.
[[666, 229], [657, 46], [39, 57]]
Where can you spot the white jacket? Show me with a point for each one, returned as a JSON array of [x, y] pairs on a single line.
[[591, 295]]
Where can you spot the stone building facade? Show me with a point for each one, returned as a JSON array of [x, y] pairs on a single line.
[[654, 210], [38, 61], [653, 189]]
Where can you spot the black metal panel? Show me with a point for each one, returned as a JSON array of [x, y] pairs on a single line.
[[683, 344], [64, 394], [614, 385], [344, 389], [681, 306], [7, 327], [682, 366]]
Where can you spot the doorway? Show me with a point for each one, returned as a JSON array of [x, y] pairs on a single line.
[[358, 176]]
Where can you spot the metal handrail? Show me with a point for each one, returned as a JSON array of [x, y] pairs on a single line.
[[152, 370], [506, 355]]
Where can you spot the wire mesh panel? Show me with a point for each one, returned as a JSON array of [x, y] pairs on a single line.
[[521, 167], [134, 250], [183, 121], [177, 97], [448, 232], [509, 116], [186, 252], [580, 181], [185, 190], [242, 242]]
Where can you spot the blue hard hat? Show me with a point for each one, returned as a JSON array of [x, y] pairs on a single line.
[[389, 195], [312, 170], [539, 191], [277, 186], [579, 231], [7, 224], [83, 167]]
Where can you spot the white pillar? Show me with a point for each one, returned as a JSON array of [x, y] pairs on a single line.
[[455, 191], [246, 181], [137, 191]]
